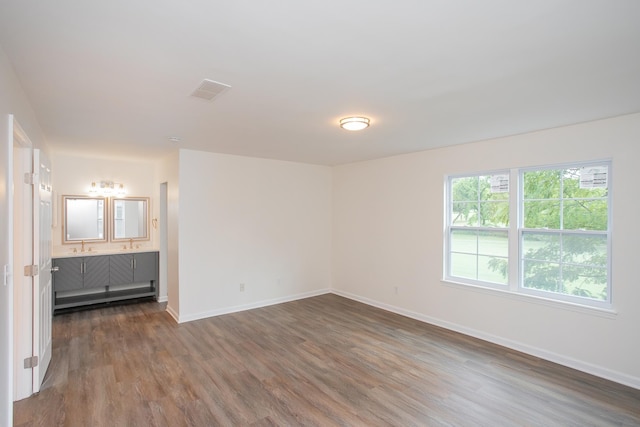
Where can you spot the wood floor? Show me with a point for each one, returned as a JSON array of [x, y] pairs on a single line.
[[321, 361]]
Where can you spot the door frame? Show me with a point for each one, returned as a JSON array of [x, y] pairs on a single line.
[[6, 259], [164, 245]]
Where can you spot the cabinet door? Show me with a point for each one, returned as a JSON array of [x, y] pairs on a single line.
[[146, 267], [96, 272], [69, 274], [121, 269]]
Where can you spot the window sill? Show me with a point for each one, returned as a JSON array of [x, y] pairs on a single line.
[[608, 313]]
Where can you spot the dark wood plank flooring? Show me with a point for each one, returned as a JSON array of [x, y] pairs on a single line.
[[321, 361]]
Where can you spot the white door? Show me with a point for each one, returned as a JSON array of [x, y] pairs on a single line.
[[42, 245], [22, 241]]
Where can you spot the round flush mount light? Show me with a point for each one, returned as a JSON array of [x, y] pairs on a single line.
[[354, 123], [174, 139]]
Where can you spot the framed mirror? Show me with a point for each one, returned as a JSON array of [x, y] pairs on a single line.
[[84, 219], [130, 216]]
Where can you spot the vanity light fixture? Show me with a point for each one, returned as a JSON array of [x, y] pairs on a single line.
[[354, 123], [106, 188]]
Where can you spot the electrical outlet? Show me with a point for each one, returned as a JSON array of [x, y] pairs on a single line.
[[241, 287]]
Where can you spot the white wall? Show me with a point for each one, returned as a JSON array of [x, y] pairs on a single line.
[[73, 175], [263, 223], [388, 231], [12, 101]]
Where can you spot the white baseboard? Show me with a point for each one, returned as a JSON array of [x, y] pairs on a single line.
[[243, 307], [163, 299], [579, 365], [173, 313]]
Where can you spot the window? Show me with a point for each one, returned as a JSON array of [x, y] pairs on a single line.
[[562, 232], [478, 234]]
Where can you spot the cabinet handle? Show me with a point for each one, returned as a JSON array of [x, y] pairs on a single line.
[[135, 264], [131, 262]]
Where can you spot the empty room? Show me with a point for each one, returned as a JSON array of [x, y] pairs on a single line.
[[340, 213]]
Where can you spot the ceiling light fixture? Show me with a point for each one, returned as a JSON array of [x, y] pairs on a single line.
[[354, 123], [174, 139]]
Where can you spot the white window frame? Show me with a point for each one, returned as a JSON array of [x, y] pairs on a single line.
[[516, 232], [560, 232], [449, 227]]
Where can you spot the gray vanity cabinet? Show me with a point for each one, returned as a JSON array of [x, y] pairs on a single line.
[[145, 267], [81, 273], [69, 276], [98, 279], [96, 272], [133, 268]]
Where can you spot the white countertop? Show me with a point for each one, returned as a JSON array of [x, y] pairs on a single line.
[[69, 252]]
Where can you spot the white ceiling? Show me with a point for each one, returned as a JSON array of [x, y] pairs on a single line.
[[114, 77]]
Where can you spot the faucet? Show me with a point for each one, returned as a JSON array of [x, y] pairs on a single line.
[[82, 250], [130, 243]]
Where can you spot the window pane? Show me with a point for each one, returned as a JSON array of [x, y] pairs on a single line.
[[485, 190], [588, 282], [572, 188], [464, 241], [495, 197], [584, 250], [480, 255], [493, 243], [494, 214], [542, 214], [493, 250], [541, 247], [464, 189], [542, 275], [463, 265], [544, 184], [492, 269], [585, 215], [465, 213]]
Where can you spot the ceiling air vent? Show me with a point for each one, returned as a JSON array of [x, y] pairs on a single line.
[[209, 89]]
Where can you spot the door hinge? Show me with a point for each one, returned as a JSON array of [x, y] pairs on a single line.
[[30, 362], [6, 274], [31, 270], [30, 178]]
